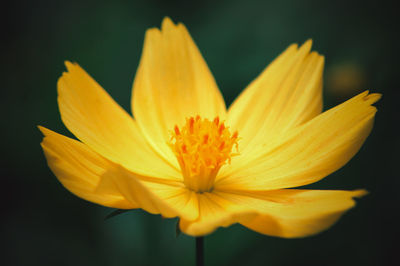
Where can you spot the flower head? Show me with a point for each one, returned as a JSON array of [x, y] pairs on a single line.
[[202, 147], [183, 154]]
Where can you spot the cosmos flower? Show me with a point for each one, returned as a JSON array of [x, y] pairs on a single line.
[[183, 154]]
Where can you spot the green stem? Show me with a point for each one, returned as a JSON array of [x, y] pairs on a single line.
[[200, 251]]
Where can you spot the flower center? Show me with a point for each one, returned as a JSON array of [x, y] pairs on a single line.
[[202, 147]]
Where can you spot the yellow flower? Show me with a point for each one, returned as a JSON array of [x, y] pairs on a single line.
[[183, 154]]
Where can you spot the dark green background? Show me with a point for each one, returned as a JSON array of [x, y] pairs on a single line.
[[43, 224]]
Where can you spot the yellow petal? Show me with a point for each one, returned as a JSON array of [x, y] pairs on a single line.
[[215, 211], [285, 213], [79, 169], [172, 83], [286, 94], [94, 118], [157, 198], [96, 179], [309, 152], [294, 213]]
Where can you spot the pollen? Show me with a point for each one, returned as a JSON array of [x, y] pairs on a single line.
[[202, 147]]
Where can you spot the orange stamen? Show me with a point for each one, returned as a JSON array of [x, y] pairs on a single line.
[[216, 121], [191, 124], [235, 135], [202, 147], [221, 146], [221, 129], [205, 139], [176, 129], [184, 149]]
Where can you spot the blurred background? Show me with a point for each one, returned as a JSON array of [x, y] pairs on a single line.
[[43, 224]]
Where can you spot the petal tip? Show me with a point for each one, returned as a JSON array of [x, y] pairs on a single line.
[[293, 46], [167, 23], [373, 97], [307, 45], [151, 33], [69, 65], [309, 42], [44, 130], [360, 193], [367, 97]]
